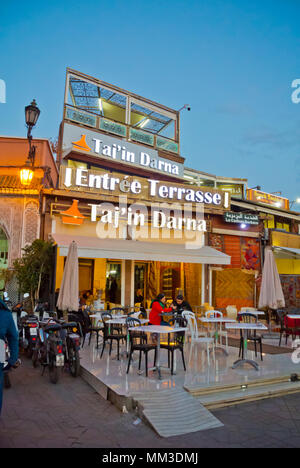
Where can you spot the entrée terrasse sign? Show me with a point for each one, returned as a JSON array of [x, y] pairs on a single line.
[[147, 189]]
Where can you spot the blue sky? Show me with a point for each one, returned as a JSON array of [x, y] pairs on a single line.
[[233, 61]]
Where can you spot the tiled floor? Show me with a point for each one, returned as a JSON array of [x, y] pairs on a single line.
[[199, 373]]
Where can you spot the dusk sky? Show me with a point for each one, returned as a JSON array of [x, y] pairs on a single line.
[[232, 61]]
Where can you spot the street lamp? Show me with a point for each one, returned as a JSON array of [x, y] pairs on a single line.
[[32, 113]]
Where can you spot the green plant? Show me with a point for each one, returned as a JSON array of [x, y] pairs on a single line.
[[33, 267]]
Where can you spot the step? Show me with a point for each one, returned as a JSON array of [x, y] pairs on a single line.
[[199, 390], [221, 399]]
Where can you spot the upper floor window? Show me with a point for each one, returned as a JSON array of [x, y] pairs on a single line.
[[3, 250]]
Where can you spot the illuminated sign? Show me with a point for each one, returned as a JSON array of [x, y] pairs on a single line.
[[243, 218], [107, 147], [236, 190], [101, 182], [268, 199]]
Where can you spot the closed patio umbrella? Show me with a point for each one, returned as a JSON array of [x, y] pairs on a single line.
[[69, 290], [271, 294]]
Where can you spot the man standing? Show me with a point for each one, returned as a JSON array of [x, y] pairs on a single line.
[[7, 331]]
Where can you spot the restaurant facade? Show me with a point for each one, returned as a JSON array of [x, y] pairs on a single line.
[[141, 228], [143, 221]]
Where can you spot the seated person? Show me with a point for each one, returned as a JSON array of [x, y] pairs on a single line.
[[158, 306], [180, 305]]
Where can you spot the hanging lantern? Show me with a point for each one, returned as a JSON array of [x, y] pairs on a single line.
[[26, 174]]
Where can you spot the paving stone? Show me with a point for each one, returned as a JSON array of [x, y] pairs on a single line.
[[37, 413]]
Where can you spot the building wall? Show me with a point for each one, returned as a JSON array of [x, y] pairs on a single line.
[[20, 221], [14, 152]]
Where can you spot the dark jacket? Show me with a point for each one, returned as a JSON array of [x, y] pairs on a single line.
[[180, 308], [8, 331]]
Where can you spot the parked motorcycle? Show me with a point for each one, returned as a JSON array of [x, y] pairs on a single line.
[[71, 335], [28, 332], [48, 351]]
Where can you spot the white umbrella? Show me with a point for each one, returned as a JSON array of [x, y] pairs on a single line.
[[271, 294], [69, 290]]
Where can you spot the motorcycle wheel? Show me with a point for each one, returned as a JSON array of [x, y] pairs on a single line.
[[35, 358], [74, 361], [29, 352], [7, 383], [53, 370]]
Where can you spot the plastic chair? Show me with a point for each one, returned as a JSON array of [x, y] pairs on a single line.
[[195, 337], [110, 335], [188, 314], [221, 332], [138, 342], [250, 318], [231, 312]]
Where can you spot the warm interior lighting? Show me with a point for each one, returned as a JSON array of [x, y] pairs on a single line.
[[26, 175]]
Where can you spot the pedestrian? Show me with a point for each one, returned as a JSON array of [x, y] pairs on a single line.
[[158, 307], [7, 331]]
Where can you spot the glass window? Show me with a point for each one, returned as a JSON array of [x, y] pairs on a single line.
[[147, 118], [97, 99], [3, 250], [77, 164]]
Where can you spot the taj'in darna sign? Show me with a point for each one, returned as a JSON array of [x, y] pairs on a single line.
[[102, 145], [179, 197]]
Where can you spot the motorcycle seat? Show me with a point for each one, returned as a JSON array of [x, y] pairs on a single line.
[[52, 327], [70, 325]]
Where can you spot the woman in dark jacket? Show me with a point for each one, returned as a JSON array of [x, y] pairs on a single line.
[[158, 306]]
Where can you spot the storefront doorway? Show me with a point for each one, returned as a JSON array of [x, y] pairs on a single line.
[[86, 274], [113, 282], [140, 282]]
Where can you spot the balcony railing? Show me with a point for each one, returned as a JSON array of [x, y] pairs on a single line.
[[116, 128]]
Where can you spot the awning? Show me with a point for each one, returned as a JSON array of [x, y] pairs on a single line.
[[91, 247], [253, 206], [286, 252]]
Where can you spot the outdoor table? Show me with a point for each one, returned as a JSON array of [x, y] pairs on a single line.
[[216, 321], [159, 329], [245, 327], [254, 312]]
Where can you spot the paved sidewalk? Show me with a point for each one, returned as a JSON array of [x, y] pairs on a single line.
[[37, 413]]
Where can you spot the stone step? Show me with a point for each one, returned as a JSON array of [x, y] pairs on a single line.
[[222, 399]]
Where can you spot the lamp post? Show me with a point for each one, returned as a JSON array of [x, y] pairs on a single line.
[[32, 113]]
